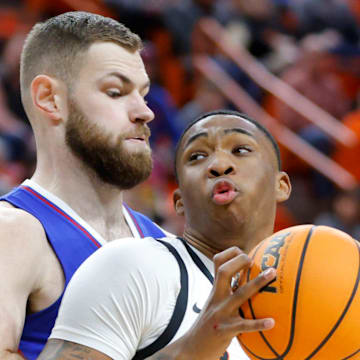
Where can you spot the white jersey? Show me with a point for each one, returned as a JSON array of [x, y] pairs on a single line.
[[132, 298]]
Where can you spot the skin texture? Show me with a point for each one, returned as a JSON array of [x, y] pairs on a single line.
[[115, 103], [68, 350], [108, 158], [219, 148], [240, 153]]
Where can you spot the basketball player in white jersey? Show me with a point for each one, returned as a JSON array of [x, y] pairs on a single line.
[[173, 298]]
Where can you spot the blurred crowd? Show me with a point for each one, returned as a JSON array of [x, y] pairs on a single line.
[[314, 46]]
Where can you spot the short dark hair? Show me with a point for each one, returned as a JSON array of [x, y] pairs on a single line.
[[233, 113], [53, 47]]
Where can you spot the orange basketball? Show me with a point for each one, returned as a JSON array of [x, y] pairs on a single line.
[[314, 300]]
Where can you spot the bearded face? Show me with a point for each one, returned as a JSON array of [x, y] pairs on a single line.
[[106, 156]]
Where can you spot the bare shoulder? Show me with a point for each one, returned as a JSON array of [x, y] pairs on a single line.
[[25, 253], [19, 221], [20, 232]]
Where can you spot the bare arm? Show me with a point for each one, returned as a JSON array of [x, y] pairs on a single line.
[[66, 350], [19, 262]]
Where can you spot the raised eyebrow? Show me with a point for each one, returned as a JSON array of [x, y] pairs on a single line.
[[194, 137], [127, 81], [226, 131], [239, 130]]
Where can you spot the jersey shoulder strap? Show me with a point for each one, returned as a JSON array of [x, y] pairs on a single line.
[[144, 225], [178, 314]]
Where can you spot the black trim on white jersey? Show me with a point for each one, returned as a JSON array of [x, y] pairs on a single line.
[[178, 314], [198, 261], [206, 272]]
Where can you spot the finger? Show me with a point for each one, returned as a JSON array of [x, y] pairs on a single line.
[[252, 287], [225, 256], [239, 325], [249, 325], [226, 272]]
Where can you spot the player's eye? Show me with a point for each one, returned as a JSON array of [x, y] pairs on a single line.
[[113, 93], [241, 150], [196, 156]]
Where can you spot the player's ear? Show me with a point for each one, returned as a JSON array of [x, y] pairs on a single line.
[[178, 203], [46, 95], [283, 186]]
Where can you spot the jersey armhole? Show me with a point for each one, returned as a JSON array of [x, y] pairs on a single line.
[[178, 314]]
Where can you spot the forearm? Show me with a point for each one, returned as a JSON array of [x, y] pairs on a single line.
[[167, 354], [187, 348], [178, 350]]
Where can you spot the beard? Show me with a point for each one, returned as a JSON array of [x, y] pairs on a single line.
[[109, 159]]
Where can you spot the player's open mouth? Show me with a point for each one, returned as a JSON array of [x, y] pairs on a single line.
[[224, 192]]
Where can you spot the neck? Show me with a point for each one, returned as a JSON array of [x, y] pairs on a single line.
[[219, 241], [199, 244], [98, 203]]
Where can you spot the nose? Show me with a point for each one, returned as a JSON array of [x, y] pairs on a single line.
[[140, 112], [219, 166]]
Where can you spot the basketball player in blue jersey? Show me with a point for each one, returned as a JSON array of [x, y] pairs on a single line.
[[83, 85], [165, 298]]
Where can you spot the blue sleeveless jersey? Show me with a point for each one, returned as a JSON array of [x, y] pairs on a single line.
[[72, 244]]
